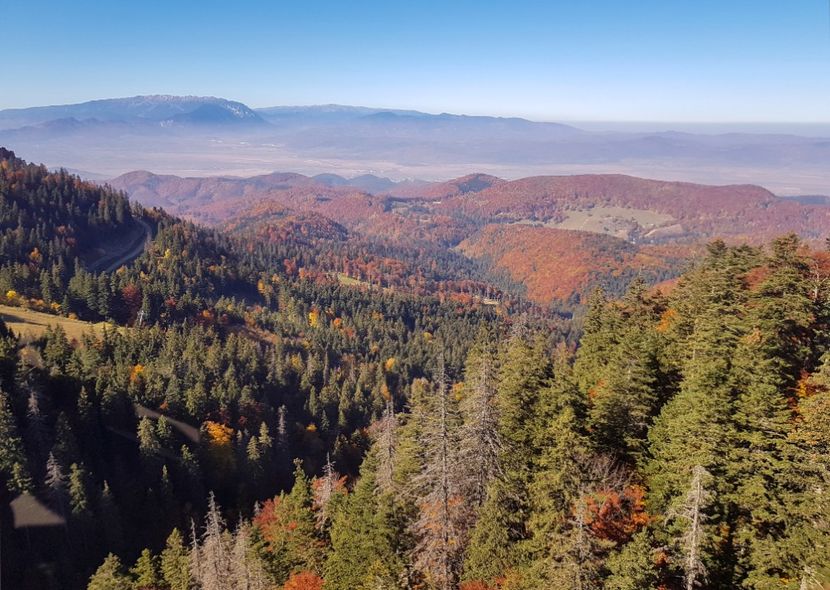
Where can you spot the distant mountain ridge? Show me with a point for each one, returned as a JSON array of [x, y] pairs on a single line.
[[209, 136], [169, 108], [159, 109]]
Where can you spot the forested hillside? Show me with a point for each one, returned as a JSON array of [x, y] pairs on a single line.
[[226, 359], [253, 420], [684, 444], [532, 232]]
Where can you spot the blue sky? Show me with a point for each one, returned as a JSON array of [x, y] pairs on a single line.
[[646, 60]]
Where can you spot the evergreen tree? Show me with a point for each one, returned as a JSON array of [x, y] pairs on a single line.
[[212, 560], [364, 537], [693, 513], [634, 567], [248, 567], [110, 576], [768, 363], [288, 527], [145, 572], [12, 454], [629, 385], [110, 523], [696, 426], [175, 563], [386, 449], [502, 523], [556, 487]]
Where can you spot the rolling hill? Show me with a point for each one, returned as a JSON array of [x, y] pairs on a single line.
[[557, 235]]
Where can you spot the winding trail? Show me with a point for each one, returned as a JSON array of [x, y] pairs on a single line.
[[113, 261]]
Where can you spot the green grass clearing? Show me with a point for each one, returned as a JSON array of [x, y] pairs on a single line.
[[28, 324]]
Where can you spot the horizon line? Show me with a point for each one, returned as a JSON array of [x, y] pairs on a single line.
[[565, 119]]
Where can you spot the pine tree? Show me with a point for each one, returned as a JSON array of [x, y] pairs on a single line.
[[35, 425], [807, 537], [110, 576], [695, 428], [211, 560], [175, 563], [439, 525], [164, 433], [386, 449], [148, 444], [567, 550], [768, 363], [628, 387], [634, 567], [365, 540], [288, 527], [493, 550], [557, 484], [12, 454], [78, 491], [248, 568], [325, 492], [502, 521], [110, 525], [145, 572]]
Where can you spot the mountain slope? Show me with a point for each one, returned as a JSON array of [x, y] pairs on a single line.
[[156, 109], [557, 235]]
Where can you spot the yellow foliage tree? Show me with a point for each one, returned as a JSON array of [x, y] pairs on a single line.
[[136, 372], [220, 449]]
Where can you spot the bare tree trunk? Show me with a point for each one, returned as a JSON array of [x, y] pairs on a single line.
[[386, 449], [437, 552], [696, 501]]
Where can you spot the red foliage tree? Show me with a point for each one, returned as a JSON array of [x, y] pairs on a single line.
[[304, 581]]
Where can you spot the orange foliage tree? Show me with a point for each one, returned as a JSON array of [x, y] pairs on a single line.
[[304, 581]]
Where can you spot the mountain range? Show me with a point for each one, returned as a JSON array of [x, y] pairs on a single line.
[[558, 236], [206, 136]]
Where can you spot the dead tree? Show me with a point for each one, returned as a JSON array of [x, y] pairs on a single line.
[[439, 540], [692, 512], [481, 446], [386, 441]]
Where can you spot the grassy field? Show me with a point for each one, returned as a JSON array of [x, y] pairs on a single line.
[[32, 324], [347, 280], [619, 222]]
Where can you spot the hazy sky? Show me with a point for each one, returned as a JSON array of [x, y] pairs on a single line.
[[643, 60]]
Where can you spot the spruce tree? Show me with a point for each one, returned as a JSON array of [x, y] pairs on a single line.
[[439, 526], [175, 563], [695, 428], [110, 576], [627, 386], [12, 454], [634, 567], [501, 526], [768, 362], [145, 572], [364, 536]]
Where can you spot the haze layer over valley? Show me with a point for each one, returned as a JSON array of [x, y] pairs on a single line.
[[197, 136]]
